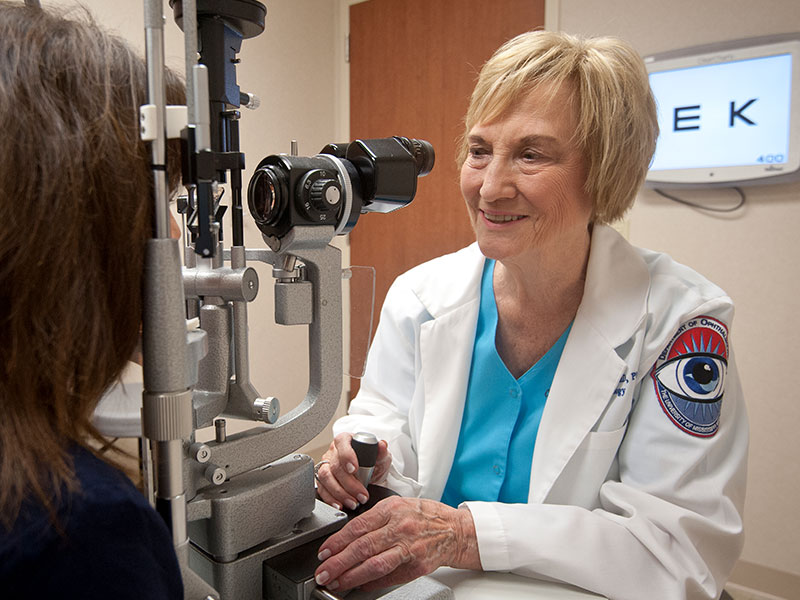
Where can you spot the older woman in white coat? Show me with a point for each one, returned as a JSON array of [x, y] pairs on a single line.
[[550, 401]]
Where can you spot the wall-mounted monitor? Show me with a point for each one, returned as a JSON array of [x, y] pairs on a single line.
[[729, 113]]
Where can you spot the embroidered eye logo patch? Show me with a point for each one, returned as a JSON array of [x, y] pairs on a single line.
[[689, 376]]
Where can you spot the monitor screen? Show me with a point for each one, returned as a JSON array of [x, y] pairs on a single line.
[[727, 115]]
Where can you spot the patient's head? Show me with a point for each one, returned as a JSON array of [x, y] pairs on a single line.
[[75, 212]]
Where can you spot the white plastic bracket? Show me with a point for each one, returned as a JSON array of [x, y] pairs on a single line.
[[177, 119]]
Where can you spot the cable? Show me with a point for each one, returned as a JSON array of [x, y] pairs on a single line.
[[728, 209]]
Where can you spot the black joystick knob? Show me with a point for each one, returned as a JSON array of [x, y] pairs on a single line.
[[366, 448]]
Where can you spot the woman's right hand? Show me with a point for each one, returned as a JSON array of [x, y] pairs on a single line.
[[337, 483]]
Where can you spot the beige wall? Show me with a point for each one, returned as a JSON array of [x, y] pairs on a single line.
[[753, 254]]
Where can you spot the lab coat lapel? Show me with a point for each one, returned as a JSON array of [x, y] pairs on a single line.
[[446, 353], [612, 308], [446, 344], [584, 384]]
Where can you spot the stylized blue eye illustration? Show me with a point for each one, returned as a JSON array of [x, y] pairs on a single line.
[[699, 377], [689, 375]]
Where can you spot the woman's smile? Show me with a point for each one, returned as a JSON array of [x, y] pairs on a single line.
[[499, 219]]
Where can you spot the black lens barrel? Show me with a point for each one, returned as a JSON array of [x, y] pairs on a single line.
[[422, 151]]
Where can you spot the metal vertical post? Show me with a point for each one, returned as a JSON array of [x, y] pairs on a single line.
[[167, 397]]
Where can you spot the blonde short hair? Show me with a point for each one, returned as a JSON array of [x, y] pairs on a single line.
[[617, 122]]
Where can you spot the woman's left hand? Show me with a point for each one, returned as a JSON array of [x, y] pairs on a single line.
[[396, 541]]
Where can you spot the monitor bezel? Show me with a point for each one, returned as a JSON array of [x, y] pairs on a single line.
[[724, 52]]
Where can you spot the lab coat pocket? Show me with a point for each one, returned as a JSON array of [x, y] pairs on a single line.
[[603, 440], [590, 465]]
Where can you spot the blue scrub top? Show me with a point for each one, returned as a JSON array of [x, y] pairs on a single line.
[[501, 416]]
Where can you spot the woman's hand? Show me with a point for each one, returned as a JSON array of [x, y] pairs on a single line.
[[396, 541], [337, 483]]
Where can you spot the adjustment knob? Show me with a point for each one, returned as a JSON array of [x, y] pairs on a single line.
[[325, 194], [267, 409]]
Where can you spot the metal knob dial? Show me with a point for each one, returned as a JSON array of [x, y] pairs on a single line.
[[325, 194]]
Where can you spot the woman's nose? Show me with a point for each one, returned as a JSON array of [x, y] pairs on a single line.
[[498, 180]]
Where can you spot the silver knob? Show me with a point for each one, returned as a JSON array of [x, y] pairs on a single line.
[[215, 474], [201, 452], [267, 409]]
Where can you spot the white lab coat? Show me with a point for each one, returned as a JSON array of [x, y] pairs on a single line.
[[622, 501]]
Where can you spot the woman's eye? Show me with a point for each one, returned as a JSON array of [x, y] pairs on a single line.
[[696, 377], [530, 155], [478, 156]]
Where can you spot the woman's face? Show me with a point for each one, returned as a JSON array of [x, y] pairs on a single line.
[[523, 179]]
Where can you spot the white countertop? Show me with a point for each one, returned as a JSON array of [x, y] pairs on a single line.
[[476, 585]]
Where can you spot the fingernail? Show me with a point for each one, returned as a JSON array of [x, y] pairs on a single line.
[[351, 504], [322, 578], [333, 585], [362, 499], [350, 468], [323, 555], [337, 506]]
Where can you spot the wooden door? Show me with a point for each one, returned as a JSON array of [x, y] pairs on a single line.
[[413, 64]]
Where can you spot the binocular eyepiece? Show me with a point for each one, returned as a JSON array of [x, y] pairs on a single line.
[[336, 186]]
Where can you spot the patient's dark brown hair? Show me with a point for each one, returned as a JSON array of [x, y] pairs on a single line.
[[75, 213]]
